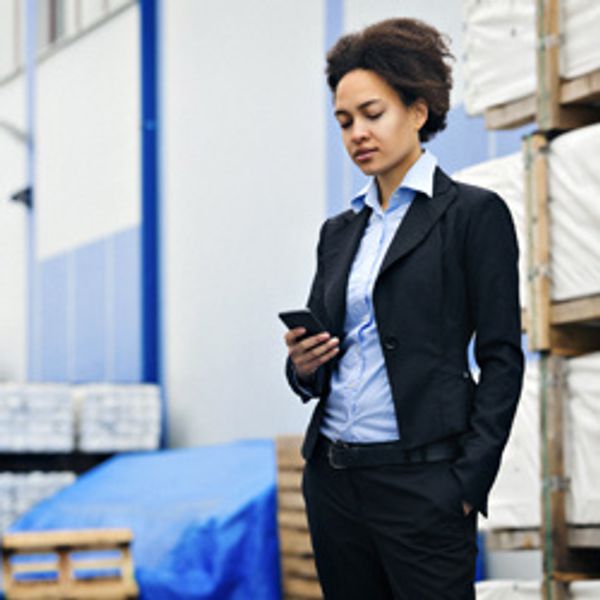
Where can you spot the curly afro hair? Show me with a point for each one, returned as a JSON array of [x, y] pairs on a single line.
[[411, 56]]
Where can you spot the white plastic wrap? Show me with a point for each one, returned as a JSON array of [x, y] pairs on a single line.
[[505, 177], [500, 39], [574, 188], [20, 491], [508, 590], [532, 590], [118, 417], [514, 500], [36, 418], [499, 58], [582, 439]]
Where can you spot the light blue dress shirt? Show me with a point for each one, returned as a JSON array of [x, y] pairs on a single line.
[[360, 407]]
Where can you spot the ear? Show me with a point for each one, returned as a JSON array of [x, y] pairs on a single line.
[[420, 113]]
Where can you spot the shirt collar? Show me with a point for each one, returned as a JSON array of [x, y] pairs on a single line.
[[419, 178]]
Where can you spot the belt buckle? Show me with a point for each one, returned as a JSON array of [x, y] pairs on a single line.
[[330, 456]]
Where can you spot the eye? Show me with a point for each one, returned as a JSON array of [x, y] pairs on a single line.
[[345, 124], [374, 117]]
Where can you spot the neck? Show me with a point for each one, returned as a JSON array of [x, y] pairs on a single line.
[[387, 183]]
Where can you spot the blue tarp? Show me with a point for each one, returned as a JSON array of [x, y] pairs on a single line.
[[203, 519]]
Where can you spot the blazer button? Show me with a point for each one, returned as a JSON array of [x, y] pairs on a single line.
[[466, 375], [390, 343]]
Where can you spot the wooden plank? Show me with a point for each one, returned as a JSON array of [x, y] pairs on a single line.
[[295, 543], [513, 539], [292, 519], [538, 242], [290, 500], [511, 114], [547, 63], [578, 310], [302, 588], [302, 566], [75, 591], [43, 540], [289, 480], [583, 89]]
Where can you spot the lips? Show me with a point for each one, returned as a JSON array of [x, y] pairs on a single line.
[[363, 154]]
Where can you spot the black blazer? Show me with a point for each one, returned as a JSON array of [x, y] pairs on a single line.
[[450, 271]]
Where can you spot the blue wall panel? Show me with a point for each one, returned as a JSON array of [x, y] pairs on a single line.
[[53, 316], [126, 302], [90, 313], [464, 142], [89, 316]]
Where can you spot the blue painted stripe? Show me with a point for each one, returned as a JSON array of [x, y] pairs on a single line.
[[334, 154], [150, 242]]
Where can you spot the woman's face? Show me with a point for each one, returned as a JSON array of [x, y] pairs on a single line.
[[380, 133]]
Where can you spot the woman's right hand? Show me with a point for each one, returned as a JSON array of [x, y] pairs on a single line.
[[308, 354]]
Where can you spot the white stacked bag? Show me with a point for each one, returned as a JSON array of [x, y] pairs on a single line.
[[514, 501], [116, 418], [500, 48], [574, 185], [21, 491], [532, 590], [36, 418]]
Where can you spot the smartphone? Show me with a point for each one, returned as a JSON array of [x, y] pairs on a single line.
[[302, 318]]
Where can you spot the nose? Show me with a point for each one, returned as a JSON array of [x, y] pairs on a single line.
[[359, 132]]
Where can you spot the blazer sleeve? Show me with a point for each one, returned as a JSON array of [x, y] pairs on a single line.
[[313, 388], [493, 291]]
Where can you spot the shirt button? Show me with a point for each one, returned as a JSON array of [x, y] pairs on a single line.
[[390, 343], [354, 408]]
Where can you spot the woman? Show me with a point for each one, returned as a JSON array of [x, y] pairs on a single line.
[[403, 446]]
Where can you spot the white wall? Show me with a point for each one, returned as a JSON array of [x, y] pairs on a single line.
[[9, 37], [243, 126], [13, 221], [88, 137]]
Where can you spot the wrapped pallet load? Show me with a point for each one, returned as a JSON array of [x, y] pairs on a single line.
[[500, 45], [574, 186], [516, 495]]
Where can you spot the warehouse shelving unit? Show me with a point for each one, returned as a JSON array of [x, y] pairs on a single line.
[[555, 329]]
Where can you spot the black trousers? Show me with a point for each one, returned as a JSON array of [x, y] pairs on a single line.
[[390, 532]]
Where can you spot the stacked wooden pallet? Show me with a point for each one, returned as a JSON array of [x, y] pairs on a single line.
[[297, 563], [556, 329], [50, 564]]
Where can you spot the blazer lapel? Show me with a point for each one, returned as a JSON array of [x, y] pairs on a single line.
[[420, 218], [340, 253]]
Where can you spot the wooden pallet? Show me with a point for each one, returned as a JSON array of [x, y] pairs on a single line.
[[579, 537], [300, 579], [57, 555], [566, 328], [557, 103]]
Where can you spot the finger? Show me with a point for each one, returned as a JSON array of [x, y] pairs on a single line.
[[302, 357], [292, 335], [314, 340], [313, 365]]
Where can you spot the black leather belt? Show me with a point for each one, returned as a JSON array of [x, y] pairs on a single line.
[[345, 455]]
